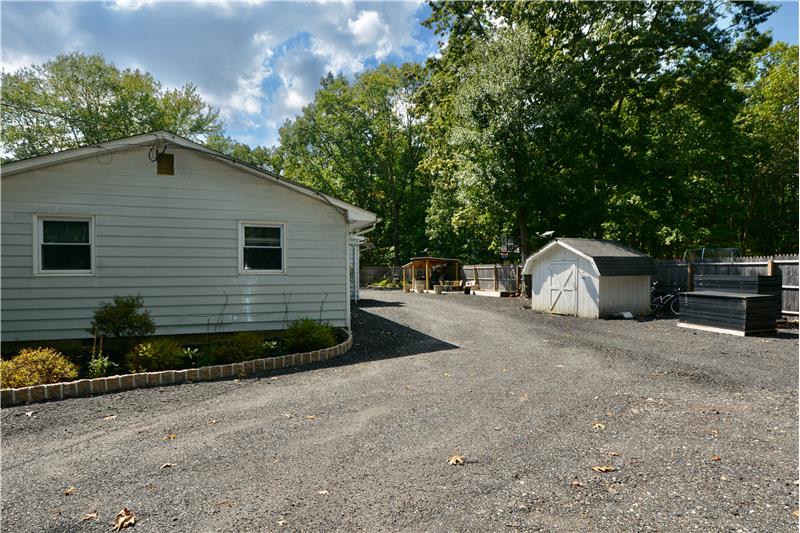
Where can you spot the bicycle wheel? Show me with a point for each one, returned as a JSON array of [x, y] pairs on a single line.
[[675, 306]]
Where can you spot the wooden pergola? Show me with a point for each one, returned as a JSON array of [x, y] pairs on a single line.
[[427, 263]]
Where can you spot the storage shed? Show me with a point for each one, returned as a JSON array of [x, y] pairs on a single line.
[[589, 278]]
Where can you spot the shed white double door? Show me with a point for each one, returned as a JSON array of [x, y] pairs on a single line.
[[563, 287]]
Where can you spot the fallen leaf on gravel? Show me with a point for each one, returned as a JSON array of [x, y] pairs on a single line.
[[311, 417], [576, 483], [604, 468], [167, 465], [715, 458], [656, 375], [211, 422], [446, 375], [30, 414], [69, 491], [124, 518], [110, 417], [497, 428], [613, 454], [322, 492], [282, 522], [456, 460], [288, 415], [89, 516], [224, 503], [524, 397], [609, 414], [171, 436], [598, 426], [796, 513]]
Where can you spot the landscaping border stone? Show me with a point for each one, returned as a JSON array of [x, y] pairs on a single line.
[[105, 385]]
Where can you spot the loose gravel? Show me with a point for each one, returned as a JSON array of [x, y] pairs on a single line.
[[700, 429]]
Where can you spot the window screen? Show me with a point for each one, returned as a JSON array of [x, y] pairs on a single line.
[[262, 248], [65, 245]]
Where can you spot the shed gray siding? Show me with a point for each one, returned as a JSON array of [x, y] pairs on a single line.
[[172, 239]]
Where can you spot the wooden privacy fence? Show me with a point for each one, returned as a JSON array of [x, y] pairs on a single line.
[[494, 277], [677, 272], [374, 274]]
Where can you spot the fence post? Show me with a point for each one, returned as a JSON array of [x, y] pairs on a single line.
[[689, 276], [770, 267], [494, 267]]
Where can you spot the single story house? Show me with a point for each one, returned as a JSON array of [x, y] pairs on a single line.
[[211, 243], [589, 278]]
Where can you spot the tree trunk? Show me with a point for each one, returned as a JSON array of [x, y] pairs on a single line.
[[522, 217]]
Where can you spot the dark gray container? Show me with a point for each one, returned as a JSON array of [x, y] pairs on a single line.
[[744, 285], [747, 313]]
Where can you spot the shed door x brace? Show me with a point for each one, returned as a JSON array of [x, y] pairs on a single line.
[[563, 287]]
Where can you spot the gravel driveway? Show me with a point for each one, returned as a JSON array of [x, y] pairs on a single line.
[[701, 429]]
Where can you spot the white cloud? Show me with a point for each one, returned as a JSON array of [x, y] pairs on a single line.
[[368, 27], [130, 5], [259, 62]]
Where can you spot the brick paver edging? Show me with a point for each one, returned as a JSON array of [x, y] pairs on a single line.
[[90, 387]]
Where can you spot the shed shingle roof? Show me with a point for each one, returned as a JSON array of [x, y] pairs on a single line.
[[611, 257]]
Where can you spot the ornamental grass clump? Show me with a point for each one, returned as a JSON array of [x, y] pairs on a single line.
[[306, 335], [36, 366]]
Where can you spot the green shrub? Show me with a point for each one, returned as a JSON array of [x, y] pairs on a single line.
[[243, 346], [100, 365], [36, 366], [306, 335], [124, 323], [158, 354]]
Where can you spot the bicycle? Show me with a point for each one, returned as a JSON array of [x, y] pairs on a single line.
[[661, 301]]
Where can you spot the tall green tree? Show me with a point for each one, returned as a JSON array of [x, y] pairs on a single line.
[[767, 192], [360, 141], [591, 119], [79, 99]]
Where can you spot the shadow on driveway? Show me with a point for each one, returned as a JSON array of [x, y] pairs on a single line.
[[376, 338], [366, 303]]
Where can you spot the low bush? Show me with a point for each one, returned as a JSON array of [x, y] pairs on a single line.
[[36, 366], [155, 355], [100, 365], [306, 335], [242, 346]]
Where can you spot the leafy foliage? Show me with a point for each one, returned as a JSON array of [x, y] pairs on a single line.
[[306, 335], [359, 141], [77, 99], [242, 346], [123, 322], [36, 366], [100, 365], [155, 355]]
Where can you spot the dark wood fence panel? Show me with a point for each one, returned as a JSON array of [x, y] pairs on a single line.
[[374, 274], [493, 277], [676, 272]]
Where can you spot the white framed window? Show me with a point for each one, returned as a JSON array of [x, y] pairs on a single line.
[[262, 247], [63, 245]]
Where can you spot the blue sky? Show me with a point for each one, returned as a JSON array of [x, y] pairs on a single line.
[[259, 62]]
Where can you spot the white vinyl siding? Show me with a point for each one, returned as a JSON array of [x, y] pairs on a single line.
[[175, 241]]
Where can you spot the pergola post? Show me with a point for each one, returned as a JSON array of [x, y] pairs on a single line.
[[427, 275], [413, 277]]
